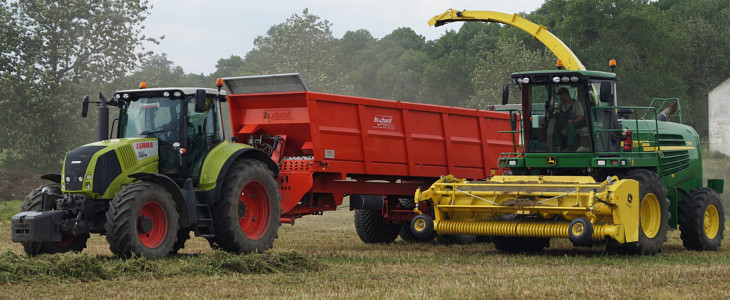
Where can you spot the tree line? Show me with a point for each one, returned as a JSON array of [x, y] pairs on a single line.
[[54, 52]]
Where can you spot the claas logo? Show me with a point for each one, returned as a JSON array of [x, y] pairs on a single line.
[[145, 145]]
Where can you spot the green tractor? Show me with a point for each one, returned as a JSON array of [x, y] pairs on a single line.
[[168, 171], [585, 169]]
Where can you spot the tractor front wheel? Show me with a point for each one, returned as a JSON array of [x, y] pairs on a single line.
[[142, 220], [70, 243], [247, 216], [702, 220]]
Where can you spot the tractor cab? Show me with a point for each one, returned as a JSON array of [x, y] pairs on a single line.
[[566, 119], [185, 121]]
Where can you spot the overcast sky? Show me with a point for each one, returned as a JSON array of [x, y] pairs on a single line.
[[198, 33]]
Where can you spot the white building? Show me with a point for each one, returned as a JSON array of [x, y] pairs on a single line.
[[719, 118]]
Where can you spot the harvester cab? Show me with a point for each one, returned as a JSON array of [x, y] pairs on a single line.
[[578, 170], [166, 172]]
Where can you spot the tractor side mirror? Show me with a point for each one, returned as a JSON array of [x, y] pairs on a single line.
[[200, 99], [505, 94], [607, 92], [85, 106]]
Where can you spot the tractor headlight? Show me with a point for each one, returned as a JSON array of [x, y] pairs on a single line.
[[125, 96], [512, 162], [88, 186], [88, 176], [556, 79], [601, 162], [526, 80], [565, 79], [81, 179], [166, 94], [68, 179], [177, 94], [574, 79]]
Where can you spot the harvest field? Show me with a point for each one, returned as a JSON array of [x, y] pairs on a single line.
[[321, 256]]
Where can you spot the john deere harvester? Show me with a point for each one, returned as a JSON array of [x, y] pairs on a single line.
[[167, 171], [583, 168]]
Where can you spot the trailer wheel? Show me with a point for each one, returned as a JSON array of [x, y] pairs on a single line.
[[702, 220], [247, 216], [371, 229], [70, 243], [142, 220], [653, 216], [520, 244]]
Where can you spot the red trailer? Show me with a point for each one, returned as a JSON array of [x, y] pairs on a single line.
[[377, 151]]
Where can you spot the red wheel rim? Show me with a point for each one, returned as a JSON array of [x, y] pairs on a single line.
[[253, 210], [158, 218]]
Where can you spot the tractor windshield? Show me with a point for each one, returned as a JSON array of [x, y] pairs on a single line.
[[558, 118], [158, 117]]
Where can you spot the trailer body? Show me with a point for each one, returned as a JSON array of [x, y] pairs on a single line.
[[328, 146]]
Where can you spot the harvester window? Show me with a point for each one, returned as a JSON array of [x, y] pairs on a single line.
[[558, 119]]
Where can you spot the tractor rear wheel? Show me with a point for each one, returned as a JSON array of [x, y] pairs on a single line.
[[34, 202], [520, 244], [371, 228], [702, 220], [653, 215], [142, 220], [247, 216]]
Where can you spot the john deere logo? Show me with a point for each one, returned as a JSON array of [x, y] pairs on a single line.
[[551, 160]]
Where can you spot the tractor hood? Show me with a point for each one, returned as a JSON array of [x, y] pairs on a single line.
[[92, 168]]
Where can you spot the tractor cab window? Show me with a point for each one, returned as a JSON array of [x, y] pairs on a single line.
[[558, 119], [204, 131], [157, 117]]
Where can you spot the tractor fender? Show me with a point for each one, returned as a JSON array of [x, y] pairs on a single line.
[[220, 159], [175, 192]]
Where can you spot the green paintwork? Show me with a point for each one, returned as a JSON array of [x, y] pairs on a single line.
[[671, 149], [129, 166], [214, 162]]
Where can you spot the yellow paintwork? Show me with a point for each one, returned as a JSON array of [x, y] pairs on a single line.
[[538, 32], [712, 221], [651, 215], [463, 207]]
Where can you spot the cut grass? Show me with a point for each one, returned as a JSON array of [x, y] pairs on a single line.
[[322, 257]]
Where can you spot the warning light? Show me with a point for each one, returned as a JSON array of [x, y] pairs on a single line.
[[142, 85], [559, 65]]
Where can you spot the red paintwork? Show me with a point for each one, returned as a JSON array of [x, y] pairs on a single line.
[[335, 144], [157, 215], [253, 210]]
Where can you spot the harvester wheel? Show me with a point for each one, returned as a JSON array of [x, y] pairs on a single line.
[[702, 220], [34, 202], [653, 215], [371, 228], [422, 227], [142, 220], [520, 244], [247, 216], [580, 232], [407, 235]]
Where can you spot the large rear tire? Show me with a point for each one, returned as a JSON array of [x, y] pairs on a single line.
[[371, 228], [247, 216], [70, 243], [142, 220], [653, 216], [702, 220]]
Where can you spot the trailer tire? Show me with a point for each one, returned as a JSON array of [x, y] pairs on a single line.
[[70, 243], [702, 220], [520, 244], [371, 229], [142, 220], [653, 216], [247, 216]]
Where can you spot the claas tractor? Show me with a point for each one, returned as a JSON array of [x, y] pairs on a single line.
[[584, 168], [167, 172]]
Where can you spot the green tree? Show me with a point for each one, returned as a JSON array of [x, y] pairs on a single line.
[[496, 66], [303, 44], [55, 48]]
